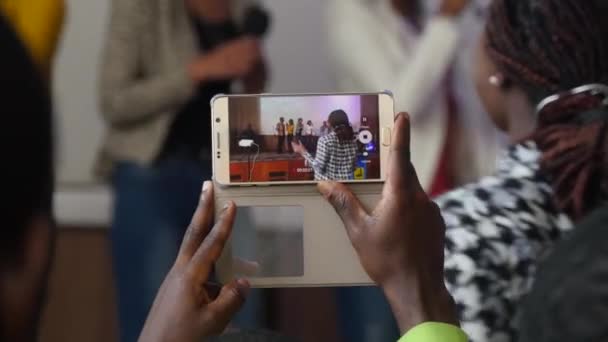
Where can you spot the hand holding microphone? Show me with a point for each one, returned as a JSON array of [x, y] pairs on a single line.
[[237, 58], [234, 59]]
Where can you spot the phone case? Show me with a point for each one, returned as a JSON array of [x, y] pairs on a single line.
[[275, 257]]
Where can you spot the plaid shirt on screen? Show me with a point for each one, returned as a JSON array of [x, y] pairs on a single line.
[[335, 160]]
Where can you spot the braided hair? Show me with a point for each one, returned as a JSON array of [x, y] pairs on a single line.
[[547, 47]]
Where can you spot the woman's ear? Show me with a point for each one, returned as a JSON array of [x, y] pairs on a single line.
[[492, 86], [500, 81]]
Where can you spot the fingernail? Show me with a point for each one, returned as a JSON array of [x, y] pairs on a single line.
[[206, 186], [243, 286], [226, 206], [403, 115]]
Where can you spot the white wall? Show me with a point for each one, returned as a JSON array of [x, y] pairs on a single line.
[[78, 125], [316, 109], [295, 47]]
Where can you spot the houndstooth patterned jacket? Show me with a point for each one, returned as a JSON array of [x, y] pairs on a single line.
[[497, 230]]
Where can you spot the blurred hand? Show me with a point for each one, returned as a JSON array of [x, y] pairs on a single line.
[[401, 242], [184, 309], [255, 81], [234, 59], [453, 7], [244, 267], [298, 147]]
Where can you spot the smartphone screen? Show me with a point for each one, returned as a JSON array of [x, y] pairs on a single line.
[[304, 138]]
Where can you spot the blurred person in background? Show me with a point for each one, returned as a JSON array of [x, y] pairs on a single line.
[[309, 136], [299, 128], [290, 128], [324, 130], [309, 129], [549, 93], [401, 45], [38, 24], [28, 232], [280, 132], [163, 62], [410, 48]]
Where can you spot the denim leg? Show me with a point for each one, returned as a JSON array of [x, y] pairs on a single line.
[[365, 316], [153, 206]]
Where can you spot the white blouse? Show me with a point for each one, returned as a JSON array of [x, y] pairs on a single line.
[[372, 49]]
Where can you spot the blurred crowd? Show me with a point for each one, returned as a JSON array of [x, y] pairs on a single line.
[[508, 119]]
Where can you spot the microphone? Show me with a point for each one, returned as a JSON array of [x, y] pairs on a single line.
[[257, 21]]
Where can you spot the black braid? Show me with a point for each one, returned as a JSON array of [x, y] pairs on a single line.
[[546, 47]]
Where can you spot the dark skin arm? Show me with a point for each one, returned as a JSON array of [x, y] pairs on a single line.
[[400, 243], [184, 309], [255, 81]]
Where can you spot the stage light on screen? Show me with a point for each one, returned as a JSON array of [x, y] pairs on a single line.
[[245, 142]]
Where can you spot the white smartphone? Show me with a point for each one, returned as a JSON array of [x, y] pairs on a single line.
[[301, 138]]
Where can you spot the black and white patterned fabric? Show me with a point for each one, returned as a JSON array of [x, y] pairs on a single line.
[[334, 160], [497, 230]]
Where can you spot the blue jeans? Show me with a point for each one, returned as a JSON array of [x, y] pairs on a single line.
[[153, 207], [365, 316]]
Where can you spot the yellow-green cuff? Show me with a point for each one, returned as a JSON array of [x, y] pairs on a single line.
[[434, 332]]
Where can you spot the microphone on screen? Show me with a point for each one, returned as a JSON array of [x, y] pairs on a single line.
[[257, 21]]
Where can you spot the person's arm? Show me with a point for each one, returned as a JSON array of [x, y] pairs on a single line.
[[363, 57], [319, 163], [255, 81], [184, 309], [401, 243], [39, 24], [126, 96]]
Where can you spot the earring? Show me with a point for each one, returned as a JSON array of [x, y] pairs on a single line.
[[497, 80]]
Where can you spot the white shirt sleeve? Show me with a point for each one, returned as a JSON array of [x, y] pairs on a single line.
[[362, 56]]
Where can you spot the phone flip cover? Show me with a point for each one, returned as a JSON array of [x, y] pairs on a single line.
[[323, 257]]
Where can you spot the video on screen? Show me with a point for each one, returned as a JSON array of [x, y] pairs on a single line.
[[304, 138]]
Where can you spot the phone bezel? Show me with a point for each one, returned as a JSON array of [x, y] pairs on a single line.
[[221, 142]]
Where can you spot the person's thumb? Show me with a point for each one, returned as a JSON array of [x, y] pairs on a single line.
[[346, 204], [228, 302], [401, 173]]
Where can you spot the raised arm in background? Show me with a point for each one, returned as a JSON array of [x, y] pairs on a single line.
[[413, 76]]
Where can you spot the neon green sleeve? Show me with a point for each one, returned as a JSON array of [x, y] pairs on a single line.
[[435, 332]]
